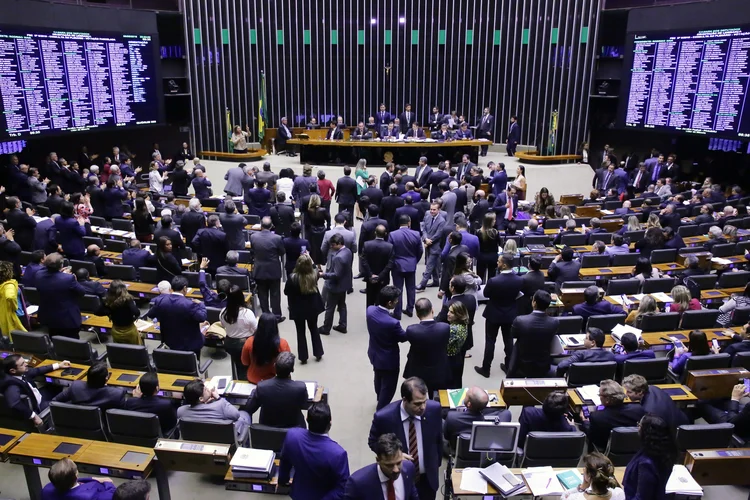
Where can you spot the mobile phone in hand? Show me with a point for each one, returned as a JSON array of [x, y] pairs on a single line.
[[586, 412], [715, 343], [746, 381], [678, 344]]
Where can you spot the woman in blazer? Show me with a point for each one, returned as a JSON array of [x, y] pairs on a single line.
[[648, 471], [305, 305]]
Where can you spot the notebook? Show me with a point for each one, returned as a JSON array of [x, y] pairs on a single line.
[[502, 479], [681, 482], [542, 481]]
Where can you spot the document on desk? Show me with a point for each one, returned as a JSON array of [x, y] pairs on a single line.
[[720, 261], [241, 389], [502, 479], [542, 481], [118, 232], [535, 382], [682, 483], [590, 393], [661, 297], [311, 388], [142, 324], [619, 330], [472, 480], [31, 310]]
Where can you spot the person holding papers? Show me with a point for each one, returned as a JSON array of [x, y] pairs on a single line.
[[648, 471], [630, 345], [280, 399], [613, 413], [593, 352], [598, 480]]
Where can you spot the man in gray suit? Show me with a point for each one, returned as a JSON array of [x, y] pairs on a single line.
[[269, 250], [564, 268], [432, 229], [234, 177], [338, 281], [231, 266], [267, 177], [350, 237], [449, 200], [233, 225]]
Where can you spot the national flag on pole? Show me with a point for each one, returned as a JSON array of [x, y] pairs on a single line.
[[229, 131], [262, 107]]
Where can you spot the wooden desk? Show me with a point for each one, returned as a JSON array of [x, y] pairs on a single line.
[[456, 475], [605, 272], [147, 290], [715, 384], [692, 241], [116, 258], [103, 325], [654, 339], [32, 360], [256, 485], [719, 466], [707, 296], [124, 379], [445, 402], [735, 261], [703, 258], [670, 267], [251, 155], [9, 438], [553, 231], [572, 296], [116, 460], [56, 377], [571, 199], [529, 391], [192, 456], [684, 397], [172, 386], [533, 157]]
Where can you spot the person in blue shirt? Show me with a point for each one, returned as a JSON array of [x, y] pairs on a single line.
[[594, 305], [618, 246], [66, 485], [34, 265], [630, 346], [648, 471], [698, 346]]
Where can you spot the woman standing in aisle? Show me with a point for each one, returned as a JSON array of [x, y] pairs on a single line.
[[305, 305]]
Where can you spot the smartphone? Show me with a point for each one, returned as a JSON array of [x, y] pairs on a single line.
[[586, 412], [678, 344], [222, 383], [617, 349], [303, 249], [715, 343], [746, 381]]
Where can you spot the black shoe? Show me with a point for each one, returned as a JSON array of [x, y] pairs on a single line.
[[323, 332], [280, 319], [303, 361], [482, 371], [318, 358], [339, 329], [419, 289], [502, 367], [364, 290], [348, 292], [407, 313], [357, 276], [432, 285]]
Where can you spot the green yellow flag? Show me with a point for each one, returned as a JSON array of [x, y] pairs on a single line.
[[262, 107], [229, 131]]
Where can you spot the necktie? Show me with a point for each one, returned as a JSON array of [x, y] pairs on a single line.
[[391, 490], [407, 117], [509, 210], [656, 172], [413, 446], [637, 180], [606, 180]]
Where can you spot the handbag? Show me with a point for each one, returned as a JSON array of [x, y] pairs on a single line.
[[216, 331]]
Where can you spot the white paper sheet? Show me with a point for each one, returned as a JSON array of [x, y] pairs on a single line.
[[471, 480], [682, 482]]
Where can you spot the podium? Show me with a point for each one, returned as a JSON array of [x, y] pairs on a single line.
[[191, 456], [715, 383], [719, 467], [530, 391]]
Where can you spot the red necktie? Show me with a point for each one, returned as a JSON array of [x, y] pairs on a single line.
[[413, 444], [391, 490], [509, 211], [637, 180]]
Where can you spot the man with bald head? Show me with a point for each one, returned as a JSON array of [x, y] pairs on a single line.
[[457, 422], [480, 209]]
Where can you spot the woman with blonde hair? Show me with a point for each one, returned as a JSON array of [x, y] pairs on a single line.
[[305, 305], [683, 301], [11, 308], [632, 225], [510, 246], [458, 318], [489, 241], [647, 307], [122, 311], [598, 481], [565, 212], [653, 221]]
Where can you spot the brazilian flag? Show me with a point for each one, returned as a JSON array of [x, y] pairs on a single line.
[[262, 107]]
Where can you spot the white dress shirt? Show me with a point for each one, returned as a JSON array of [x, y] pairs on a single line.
[[37, 394], [418, 429], [398, 486]]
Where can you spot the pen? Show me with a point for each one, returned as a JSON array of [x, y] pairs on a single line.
[[548, 483]]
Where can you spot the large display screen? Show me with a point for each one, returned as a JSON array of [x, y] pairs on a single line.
[[694, 82], [66, 81]]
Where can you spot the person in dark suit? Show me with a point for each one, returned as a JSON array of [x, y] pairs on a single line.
[[431, 229], [564, 268], [391, 132], [58, 298], [654, 400], [381, 480], [593, 352], [174, 235], [739, 343], [423, 172], [70, 232], [233, 225], [19, 381], [211, 243], [321, 465], [231, 267], [389, 205], [269, 250], [91, 287], [593, 305], [506, 206], [649, 470], [258, 200], [459, 422], [414, 416], [436, 178], [670, 218], [549, 418], [514, 136], [21, 222], [428, 351], [383, 352], [484, 129], [534, 334], [94, 391], [463, 132], [180, 318], [361, 132], [415, 131], [502, 292], [136, 256], [386, 179], [346, 193], [294, 246], [706, 215], [334, 133], [436, 120], [377, 262], [410, 211], [180, 180], [280, 399], [338, 282], [407, 250], [55, 197], [639, 179], [282, 215], [455, 248], [382, 117], [630, 345], [45, 235], [372, 192], [192, 221], [36, 263], [731, 412], [145, 399], [407, 119], [613, 413], [201, 185]]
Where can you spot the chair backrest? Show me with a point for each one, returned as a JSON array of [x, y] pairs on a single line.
[[595, 261], [704, 436], [705, 318], [212, 314], [605, 237], [24, 258], [707, 362], [661, 322], [93, 240], [115, 245], [663, 256], [9, 419], [251, 220], [90, 304], [743, 245], [653, 370], [193, 278], [574, 239], [556, 449], [612, 205], [464, 456], [689, 230], [703, 228], [580, 374], [148, 275], [570, 324], [208, 431], [554, 223], [705, 281], [637, 202], [625, 259], [133, 427], [576, 284], [97, 221], [635, 236], [122, 225], [742, 359], [129, 357], [83, 264], [245, 257], [36, 343], [78, 421], [121, 272], [176, 362], [740, 316], [76, 350], [623, 287], [734, 280], [536, 239], [624, 442], [724, 249], [42, 211], [234, 279], [655, 285], [606, 322], [264, 437]]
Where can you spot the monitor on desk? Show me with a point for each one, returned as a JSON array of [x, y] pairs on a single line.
[[494, 437]]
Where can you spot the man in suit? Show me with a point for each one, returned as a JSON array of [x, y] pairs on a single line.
[[432, 229], [593, 352], [267, 177], [415, 132], [346, 193], [436, 178], [280, 399], [410, 211], [268, 249], [168, 231], [564, 268], [201, 185], [640, 180], [449, 200], [145, 399], [630, 345], [45, 235], [389, 205], [192, 221], [383, 117], [514, 136], [593, 305], [428, 351], [607, 178], [414, 417], [283, 135], [373, 191], [231, 267], [455, 248], [407, 119], [211, 242], [334, 133], [386, 179], [338, 282], [391, 132], [180, 318], [423, 172], [377, 262], [91, 287], [470, 241], [383, 351], [392, 477], [233, 225], [437, 119], [459, 422], [706, 215], [498, 179], [624, 210], [367, 230], [533, 228], [58, 298], [321, 465], [463, 168], [479, 210], [407, 250], [654, 400], [551, 417], [506, 206], [350, 238], [671, 168], [613, 413], [463, 132], [19, 381], [657, 170], [235, 177], [484, 129], [730, 412], [21, 222], [534, 334], [94, 391], [282, 215], [502, 292], [36, 263]]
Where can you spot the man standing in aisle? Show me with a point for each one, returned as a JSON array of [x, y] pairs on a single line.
[[407, 249], [484, 129], [514, 135], [338, 281], [385, 334], [268, 249], [377, 261], [432, 228]]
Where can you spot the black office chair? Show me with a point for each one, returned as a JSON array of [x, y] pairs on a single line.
[[612, 205], [264, 437], [536, 239], [212, 431], [743, 245], [625, 259], [606, 322], [594, 261], [465, 457], [574, 239], [235, 279], [134, 428], [24, 258], [9, 418], [656, 285], [36, 343], [707, 362], [212, 314], [570, 325], [703, 228], [703, 436], [78, 421], [129, 357], [251, 220], [623, 444], [576, 284], [245, 257], [605, 237], [555, 449], [741, 316], [84, 264], [741, 359], [655, 371], [90, 304], [93, 240], [97, 221], [661, 322], [580, 374], [688, 230], [705, 281], [180, 363], [554, 223], [122, 225], [76, 351], [623, 287], [724, 250], [121, 272], [114, 245], [43, 211], [663, 256], [148, 275], [737, 279], [695, 320]]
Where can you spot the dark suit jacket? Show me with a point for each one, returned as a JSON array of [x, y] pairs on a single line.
[[105, 398], [282, 216], [385, 181], [375, 194], [367, 231], [385, 334], [268, 249], [449, 265], [406, 124], [585, 310], [388, 419], [281, 401], [364, 484], [422, 175], [70, 235], [202, 187], [535, 420], [190, 224], [211, 242], [346, 191], [461, 199], [161, 407], [14, 388], [174, 236], [603, 421], [321, 466], [436, 178], [502, 291], [233, 270], [180, 320], [412, 212], [531, 282], [585, 356], [562, 271], [93, 288], [23, 225], [377, 259], [428, 353], [45, 236], [644, 478], [388, 207], [531, 353], [407, 248], [458, 422], [514, 133], [478, 212], [672, 220], [338, 273], [58, 299], [336, 132], [233, 226], [419, 133], [658, 402]]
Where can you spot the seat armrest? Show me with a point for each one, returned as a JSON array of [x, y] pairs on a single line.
[[99, 357], [204, 366], [673, 376], [243, 439]]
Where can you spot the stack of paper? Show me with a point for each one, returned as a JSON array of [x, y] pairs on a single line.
[[590, 393], [240, 389], [542, 481], [662, 297], [501, 478], [249, 463], [141, 324], [39, 219], [619, 330], [472, 480], [720, 261], [31, 310], [682, 483]]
